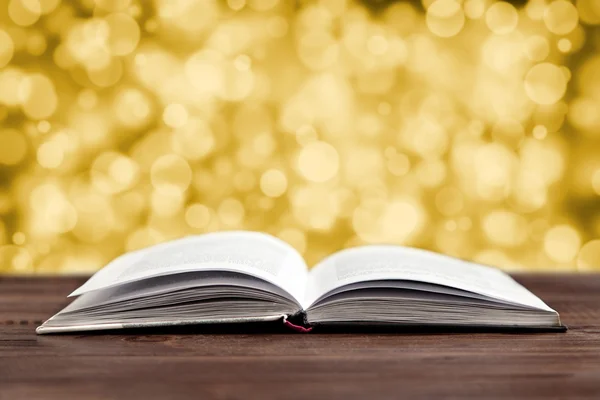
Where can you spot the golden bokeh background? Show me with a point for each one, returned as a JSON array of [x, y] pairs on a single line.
[[471, 128]]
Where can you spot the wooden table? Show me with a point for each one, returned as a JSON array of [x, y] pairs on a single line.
[[231, 365]]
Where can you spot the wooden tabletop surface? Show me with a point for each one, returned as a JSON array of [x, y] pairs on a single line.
[[262, 365]]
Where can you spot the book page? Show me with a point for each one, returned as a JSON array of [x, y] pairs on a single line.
[[370, 263], [256, 254], [156, 287]]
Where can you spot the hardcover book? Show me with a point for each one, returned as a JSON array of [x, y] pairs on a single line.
[[235, 277]]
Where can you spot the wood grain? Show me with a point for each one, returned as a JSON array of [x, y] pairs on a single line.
[[270, 363]]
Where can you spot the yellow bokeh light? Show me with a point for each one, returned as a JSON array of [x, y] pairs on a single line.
[[50, 154], [53, 213], [445, 18], [131, 106], [273, 183], [124, 34], [112, 172], [474, 9], [539, 132], [197, 215], [19, 238], [505, 228], [396, 222], [106, 75], [589, 256], [596, 181], [24, 12], [501, 18], [231, 212], [36, 44], [561, 17], [466, 127], [318, 161], [171, 173], [7, 48], [16, 258], [564, 45], [545, 83], [588, 11], [175, 115], [562, 243], [236, 5], [10, 86], [194, 140], [39, 96], [166, 204], [537, 48]]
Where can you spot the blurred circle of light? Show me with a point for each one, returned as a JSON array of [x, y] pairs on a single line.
[[11, 80], [588, 11], [132, 108], [589, 255], [545, 83], [474, 9], [231, 212], [112, 172], [314, 207], [561, 17], [596, 181], [36, 44], [318, 161], [175, 115], [7, 48], [562, 243], [171, 173], [124, 34], [194, 140], [537, 48], [445, 18], [539, 132], [53, 213], [564, 45], [39, 96], [501, 18], [273, 183], [396, 222], [197, 215], [205, 73], [505, 228], [108, 75], [16, 257], [165, 203], [50, 154], [236, 5], [19, 238], [44, 126], [190, 17], [24, 12]]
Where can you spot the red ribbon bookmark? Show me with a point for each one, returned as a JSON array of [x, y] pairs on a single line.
[[297, 328]]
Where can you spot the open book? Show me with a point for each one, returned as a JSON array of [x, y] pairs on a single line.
[[233, 277]]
